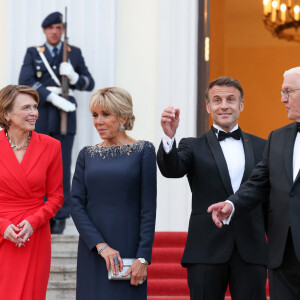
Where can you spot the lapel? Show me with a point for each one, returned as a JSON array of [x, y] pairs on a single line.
[[249, 156], [9, 161], [48, 55], [34, 151], [220, 160], [289, 140]]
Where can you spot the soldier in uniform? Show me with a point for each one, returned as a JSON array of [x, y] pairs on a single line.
[[42, 70]]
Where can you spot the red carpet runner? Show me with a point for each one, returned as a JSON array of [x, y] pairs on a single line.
[[166, 278]]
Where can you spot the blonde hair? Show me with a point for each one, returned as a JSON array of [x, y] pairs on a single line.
[[117, 101], [7, 97]]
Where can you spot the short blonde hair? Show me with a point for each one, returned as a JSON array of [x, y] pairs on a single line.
[[117, 101], [7, 97]]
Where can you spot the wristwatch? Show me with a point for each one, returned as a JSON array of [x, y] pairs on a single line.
[[143, 261]]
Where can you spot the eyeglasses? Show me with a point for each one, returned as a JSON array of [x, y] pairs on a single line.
[[286, 93]]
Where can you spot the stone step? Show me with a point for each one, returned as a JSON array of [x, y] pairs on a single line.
[[64, 253], [62, 238], [64, 261], [65, 294], [62, 280], [64, 247], [58, 243], [68, 257], [62, 273], [62, 285]]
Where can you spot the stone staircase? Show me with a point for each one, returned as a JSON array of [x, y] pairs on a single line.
[[62, 281]]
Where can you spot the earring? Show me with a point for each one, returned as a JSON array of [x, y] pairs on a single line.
[[7, 119], [122, 127]]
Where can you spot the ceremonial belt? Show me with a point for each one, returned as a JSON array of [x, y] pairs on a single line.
[[45, 61], [57, 90]]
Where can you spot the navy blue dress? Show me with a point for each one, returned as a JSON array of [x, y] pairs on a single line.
[[113, 200]]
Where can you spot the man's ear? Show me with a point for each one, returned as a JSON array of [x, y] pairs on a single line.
[[208, 107], [242, 105]]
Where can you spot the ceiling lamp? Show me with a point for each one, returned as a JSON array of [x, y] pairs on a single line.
[[282, 18]]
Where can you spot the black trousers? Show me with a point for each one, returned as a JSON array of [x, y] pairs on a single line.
[[285, 280], [210, 281], [66, 148]]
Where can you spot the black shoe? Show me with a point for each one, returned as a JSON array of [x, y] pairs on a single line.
[[57, 225]]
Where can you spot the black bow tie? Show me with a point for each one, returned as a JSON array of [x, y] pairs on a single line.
[[298, 126], [234, 134]]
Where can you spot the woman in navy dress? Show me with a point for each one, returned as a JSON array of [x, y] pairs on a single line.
[[114, 202]]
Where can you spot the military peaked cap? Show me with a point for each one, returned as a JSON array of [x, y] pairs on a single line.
[[54, 18]]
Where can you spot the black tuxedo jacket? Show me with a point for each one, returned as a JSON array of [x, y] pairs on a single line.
[[202, 160], [273, 177]]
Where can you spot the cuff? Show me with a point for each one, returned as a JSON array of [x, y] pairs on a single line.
[[167, 143], [227, 221]]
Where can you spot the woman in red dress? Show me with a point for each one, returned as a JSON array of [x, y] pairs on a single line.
[[30, 168]]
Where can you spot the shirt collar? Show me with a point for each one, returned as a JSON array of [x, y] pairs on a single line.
[[220, 129], [50, 48]]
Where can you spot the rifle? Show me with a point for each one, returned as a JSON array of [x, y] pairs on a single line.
[[64, 81]]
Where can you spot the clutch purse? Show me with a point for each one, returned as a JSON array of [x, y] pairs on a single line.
[[127, 262]]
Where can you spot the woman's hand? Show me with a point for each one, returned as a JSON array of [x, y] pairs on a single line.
[[11, 235], [138, 272], [26, 231], [109, 255]]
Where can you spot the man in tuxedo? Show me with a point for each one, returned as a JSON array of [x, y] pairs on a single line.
[[216, 163], [276, 176]]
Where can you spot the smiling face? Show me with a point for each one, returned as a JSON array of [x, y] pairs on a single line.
[[291, 84], [107, 124], [224, 106], [54, 33], [23, 114]]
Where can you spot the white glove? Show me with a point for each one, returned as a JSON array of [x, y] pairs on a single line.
[[67, 69], [61, 102]]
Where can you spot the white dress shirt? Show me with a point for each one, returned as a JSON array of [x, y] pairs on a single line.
[[296, 157]]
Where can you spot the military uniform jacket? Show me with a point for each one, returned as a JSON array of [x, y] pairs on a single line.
[[35, 74]]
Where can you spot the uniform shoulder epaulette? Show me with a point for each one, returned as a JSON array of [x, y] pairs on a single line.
[[40, 48], [74, 47]]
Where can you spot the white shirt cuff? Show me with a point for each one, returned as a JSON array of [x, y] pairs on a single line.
[[227, 221], [167, 143]]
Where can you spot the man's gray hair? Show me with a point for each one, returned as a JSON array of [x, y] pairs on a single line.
[[295, 70]]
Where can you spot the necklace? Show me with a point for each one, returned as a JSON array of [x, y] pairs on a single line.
[[16, 147]]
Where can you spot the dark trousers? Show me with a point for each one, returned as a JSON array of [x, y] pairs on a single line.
[[285, 280], [210, 281], [66, 148]]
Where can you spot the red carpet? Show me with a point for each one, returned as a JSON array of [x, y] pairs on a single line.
[[167, 279], [166, 276]]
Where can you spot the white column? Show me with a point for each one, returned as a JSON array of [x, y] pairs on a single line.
[[3, 43], [157, 63], [177, 74], [137, 61]]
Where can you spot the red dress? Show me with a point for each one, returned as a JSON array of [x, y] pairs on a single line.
[[25, 271]]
